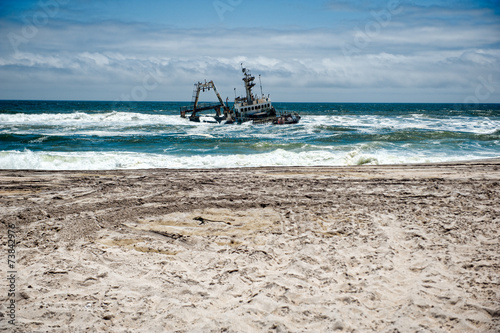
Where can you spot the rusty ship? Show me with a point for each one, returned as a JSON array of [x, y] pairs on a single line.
[[251, 107]]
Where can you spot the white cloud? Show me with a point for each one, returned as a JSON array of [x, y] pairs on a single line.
[[105, 60]]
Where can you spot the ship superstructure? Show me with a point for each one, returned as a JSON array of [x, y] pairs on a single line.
[[252, 106]]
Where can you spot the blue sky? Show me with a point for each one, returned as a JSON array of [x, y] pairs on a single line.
[[306, 51]]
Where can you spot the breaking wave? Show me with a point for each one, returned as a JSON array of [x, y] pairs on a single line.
[[129, 160], [97, 136]]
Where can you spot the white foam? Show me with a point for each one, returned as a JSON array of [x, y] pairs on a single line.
[[87, 119], [374, 123], [310, 124], [125, 160], [318, 126]]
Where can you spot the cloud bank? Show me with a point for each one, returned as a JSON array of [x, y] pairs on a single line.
[[388, 52]]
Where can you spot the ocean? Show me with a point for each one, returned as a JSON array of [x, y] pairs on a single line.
[[74, 135]]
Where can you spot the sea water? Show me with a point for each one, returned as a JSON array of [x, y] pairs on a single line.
[[69, 135]]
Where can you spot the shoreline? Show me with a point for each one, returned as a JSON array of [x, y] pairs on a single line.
[[369, 248], [492, 160]]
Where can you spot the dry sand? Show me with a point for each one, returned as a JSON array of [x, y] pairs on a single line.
[[354, 249]]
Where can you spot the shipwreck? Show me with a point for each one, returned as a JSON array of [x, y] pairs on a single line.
[[251, 107]]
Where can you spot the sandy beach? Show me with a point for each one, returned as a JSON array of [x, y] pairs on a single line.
[[401, 248]]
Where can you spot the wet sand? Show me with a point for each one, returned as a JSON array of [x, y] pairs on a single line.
[[354, 249]]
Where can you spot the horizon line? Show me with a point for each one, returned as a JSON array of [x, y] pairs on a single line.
[[294, 102]]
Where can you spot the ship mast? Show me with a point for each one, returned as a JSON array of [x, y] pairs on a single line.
[[261, 93], [249, 84]]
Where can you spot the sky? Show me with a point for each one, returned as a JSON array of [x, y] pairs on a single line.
[[410, 51]]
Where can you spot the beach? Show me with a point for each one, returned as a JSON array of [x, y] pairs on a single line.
[[395, 248]]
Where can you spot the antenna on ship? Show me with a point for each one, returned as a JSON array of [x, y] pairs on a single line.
[[260, 82]]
